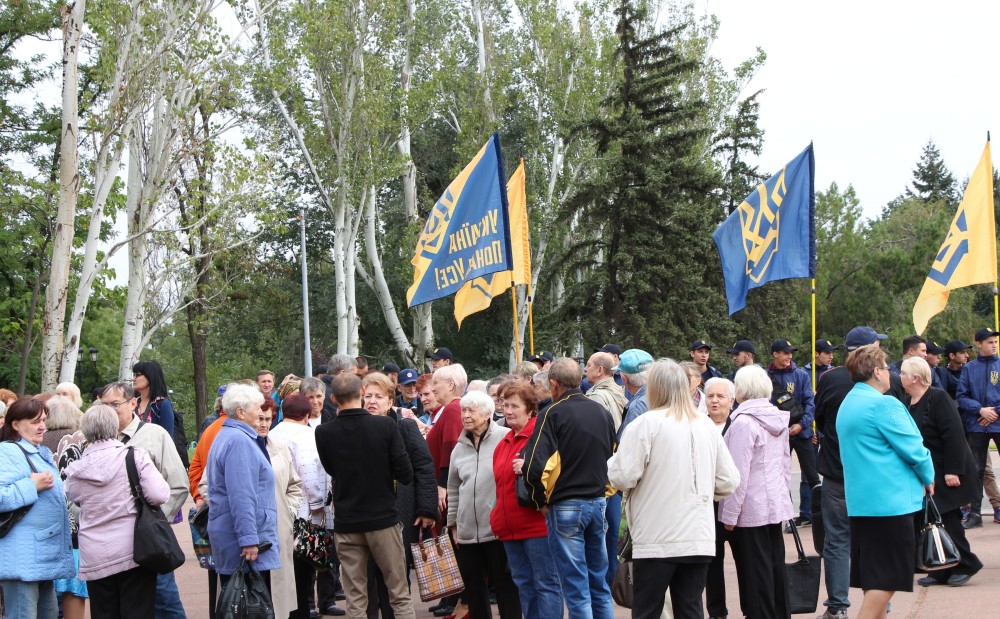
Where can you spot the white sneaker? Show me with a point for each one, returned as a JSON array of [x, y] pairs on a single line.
[[834, 614]]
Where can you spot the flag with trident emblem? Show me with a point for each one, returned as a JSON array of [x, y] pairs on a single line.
[[771, 235], [969, 253]]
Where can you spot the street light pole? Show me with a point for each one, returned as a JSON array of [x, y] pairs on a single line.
[[305, 295]]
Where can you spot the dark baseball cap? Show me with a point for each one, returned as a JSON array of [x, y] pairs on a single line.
[[934, 349], [986, 332], [953, 346], [742, 346], [862, 336], [825, 346], [782, 346], [614, 349], [407, 376], [441, 353], [543, 356], [390, 368], [698, 344]]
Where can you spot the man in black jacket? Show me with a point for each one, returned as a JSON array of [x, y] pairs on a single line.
[[365, 455], [566, 472], [832, 388]]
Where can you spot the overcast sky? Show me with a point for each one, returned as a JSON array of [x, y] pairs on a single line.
[[869, 83]]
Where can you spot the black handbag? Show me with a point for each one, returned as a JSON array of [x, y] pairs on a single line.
[[9, 519], [935, 549], [523, 494], [245, 596], [154, 545], [803, 579], [312, 543], [199, 521]]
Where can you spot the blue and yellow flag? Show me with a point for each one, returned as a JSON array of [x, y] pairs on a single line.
[[969, 253], [475, 296], [771, 235], [466, 235]]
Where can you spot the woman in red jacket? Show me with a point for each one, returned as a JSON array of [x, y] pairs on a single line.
[[522, 529]]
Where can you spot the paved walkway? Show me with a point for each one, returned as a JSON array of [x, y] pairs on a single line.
[[971, 601]]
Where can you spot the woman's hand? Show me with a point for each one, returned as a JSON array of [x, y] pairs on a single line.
[[518, 463], [930, 488], [424, 522], [43, 481], [250, 553], [952, 481], [443, 499], [730, 527]]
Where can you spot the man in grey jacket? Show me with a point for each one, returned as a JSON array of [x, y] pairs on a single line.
[[605, 391]]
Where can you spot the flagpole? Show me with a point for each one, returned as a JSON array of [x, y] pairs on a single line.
[[513, 300], [531, 321], [813, 364], [996, 309]]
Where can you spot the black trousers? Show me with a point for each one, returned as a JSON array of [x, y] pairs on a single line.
[[979, 443], [759, 553], [479, 562], [213, 592], [652, 577], [715, 581], [968, 562], [127, 595], [305, 575], [328, 583]]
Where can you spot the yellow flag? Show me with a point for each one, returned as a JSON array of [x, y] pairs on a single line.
[[476, 295], [969, 253]]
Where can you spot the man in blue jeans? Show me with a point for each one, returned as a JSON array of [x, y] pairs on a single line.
[[830, 392], [566, 473]]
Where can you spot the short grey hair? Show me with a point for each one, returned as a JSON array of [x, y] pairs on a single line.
[[456, 374], [638, 379], [479, 401], [312, 385], [340, 363], [63, 414], [541, 379], [100, 423], [238, 395], [752, 383], [725, 382], [478, 385], [913, 366]]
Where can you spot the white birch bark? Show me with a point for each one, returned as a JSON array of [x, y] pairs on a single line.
[[69, 184]]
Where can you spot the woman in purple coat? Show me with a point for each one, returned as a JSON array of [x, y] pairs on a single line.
[[758, 442]]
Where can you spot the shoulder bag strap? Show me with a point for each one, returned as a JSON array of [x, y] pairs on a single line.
[[25, 452], [137, 428], [798, 540], [133, 475]]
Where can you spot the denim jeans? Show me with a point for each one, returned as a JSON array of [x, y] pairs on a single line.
[[168, 599], [29, 600], [577, 530], [613, 514], [534, 573], [837, 545]]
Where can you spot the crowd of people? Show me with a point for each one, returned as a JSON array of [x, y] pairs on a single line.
[[322, 483]]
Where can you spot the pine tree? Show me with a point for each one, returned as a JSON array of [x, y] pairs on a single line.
[[932, 181], [740, 137], [645, 218]]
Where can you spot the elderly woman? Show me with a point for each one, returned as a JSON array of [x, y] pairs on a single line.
[[672, 462], [314, 390], [886, 470], [99, 484], [427, 399], [415, 501], [242, 510], [940, 424], [71, 392], [37, 550], [288, 495], [471, 496], [720, 395], [694, 384], [448, 386], [295, 430], [758, 441], [63, 419], [522, 529]]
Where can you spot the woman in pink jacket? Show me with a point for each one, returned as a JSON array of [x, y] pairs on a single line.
[[98, 483], [758, 441]]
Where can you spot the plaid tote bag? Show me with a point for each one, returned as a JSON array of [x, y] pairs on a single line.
[[436, 567]]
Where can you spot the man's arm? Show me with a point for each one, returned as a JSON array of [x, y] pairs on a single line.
[[541, 446]]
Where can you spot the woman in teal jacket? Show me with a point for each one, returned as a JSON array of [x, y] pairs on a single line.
[[886, 471], [38, 549]]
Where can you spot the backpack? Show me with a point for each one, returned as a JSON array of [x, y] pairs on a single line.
[[785, 401]]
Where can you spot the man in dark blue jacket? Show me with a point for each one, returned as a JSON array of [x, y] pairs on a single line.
[[823, 360], [978, 398], [794, 381], [956, 355]]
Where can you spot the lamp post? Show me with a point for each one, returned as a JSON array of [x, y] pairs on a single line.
[[93, 361]]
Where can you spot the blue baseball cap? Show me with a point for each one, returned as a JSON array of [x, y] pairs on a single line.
[[407, 376], [633, 361], [862, 336]]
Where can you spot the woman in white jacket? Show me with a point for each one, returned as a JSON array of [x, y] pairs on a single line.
[[671, 464]]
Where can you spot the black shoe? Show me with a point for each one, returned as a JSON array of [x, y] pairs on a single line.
[[435, 607], [802, 521], [314, 614], [334, 611], [973, 521], [444, 611], [957, 580], [930, 581], [339, 595]]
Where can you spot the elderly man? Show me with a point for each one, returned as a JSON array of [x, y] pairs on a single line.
[[160, 447], [540, 383], [600, 372], [576, 435]]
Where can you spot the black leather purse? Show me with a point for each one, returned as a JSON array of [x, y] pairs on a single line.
[[245, 596], [9, 519], [935, 549]]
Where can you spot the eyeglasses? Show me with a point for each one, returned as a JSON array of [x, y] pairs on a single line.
[[117, 404]]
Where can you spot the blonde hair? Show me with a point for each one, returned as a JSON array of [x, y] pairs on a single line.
[[379, 381], [63, 414], [456, 374], [669, 388], [913, 366], [74, 393]]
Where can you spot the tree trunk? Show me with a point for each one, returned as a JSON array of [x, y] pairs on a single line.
[[136, 298], [69, 184], [22, 371]]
